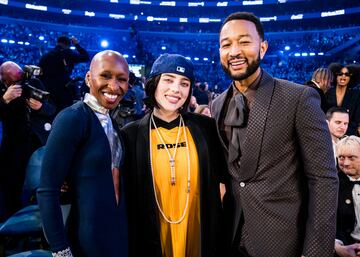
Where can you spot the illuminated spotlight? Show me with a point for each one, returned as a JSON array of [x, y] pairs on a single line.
[[4, 41], [287, 48], [297, 54], [20, 42], [126, 55], [205, 59], [11, 41], [41, 38], [304, 54], [104, 43], [134, 56], [196, 58], [281, 52], [163, 48], [212, 62], [312, 54], [30, 35], [27, 43], [72, 47], [321, 53], [189, 58]]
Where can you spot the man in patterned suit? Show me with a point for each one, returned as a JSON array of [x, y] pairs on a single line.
[[282, 193]]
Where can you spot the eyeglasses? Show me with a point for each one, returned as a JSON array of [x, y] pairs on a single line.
[[347, 74]]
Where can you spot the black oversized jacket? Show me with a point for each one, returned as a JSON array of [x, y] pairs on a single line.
[[144, 235]]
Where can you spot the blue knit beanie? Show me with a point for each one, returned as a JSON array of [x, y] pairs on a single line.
[[172, 63]]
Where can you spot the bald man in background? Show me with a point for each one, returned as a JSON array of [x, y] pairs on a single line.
[[85, 150], [26, 126]]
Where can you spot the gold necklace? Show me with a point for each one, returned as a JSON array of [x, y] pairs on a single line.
[[172, 167]]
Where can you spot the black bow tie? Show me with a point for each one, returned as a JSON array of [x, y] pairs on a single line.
[[355, 182]]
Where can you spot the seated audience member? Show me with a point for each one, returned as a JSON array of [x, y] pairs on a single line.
[[192, 104], [203, 109], [26, 126], [344, 94], [85, 150], [321, 81], [348, 215], [338, 120]]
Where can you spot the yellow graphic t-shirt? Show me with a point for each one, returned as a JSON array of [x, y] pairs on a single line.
[[183, 239]]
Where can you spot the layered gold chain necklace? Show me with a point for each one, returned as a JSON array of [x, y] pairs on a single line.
[[172, 166]]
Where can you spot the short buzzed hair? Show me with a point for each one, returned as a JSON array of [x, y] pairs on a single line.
[[249, 17], [349, 142], [334, 109]]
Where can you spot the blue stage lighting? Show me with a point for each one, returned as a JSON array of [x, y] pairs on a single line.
[[297, 54], [163, 48], [304, 54], [72, 47], [104, 43], [126, 55], [4, 41], [41, 38], [287, 48], [196, 58], [205, 59], [189, 58], [11, 41]]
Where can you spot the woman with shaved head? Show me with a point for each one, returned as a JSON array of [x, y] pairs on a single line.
[[85, 150]]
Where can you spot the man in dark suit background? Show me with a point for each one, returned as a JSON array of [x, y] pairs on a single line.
[[26, 126], [282, 195], [57, 66]]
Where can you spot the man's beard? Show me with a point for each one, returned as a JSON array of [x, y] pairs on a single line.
[[251, 69]]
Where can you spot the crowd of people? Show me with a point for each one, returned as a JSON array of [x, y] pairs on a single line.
[[195, 173]]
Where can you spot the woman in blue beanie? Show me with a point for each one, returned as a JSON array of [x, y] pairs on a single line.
[[174, 163]]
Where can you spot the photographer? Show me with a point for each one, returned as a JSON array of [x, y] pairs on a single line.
[[25, 112], [57, 66]]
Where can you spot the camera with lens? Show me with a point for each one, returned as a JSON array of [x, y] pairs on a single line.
[[29, 91]]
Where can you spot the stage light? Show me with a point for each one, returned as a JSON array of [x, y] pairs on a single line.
[[41, 38], [163, 48], [304, 54], [287, 48], [196, 58], [20, 42], [312, 54], [205, 59], [321, 53], [11, 41], [72, 47], [126, 55], [104, 43], [4, 41], [297, 54], [27, 43], [189, 58]]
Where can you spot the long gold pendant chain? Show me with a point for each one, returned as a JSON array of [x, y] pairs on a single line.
[[172, 162], [171, 158]]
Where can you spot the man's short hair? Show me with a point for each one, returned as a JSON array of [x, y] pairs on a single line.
[[64, 40], [347, 143], [332, 110], [249, 17]]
